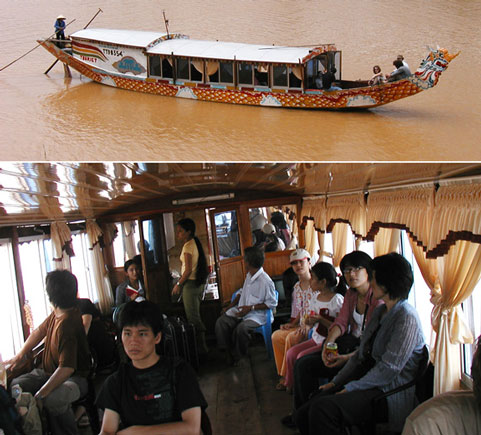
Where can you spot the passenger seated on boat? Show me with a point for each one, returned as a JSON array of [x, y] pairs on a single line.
[[390, 352], [328, 79], [132, 287], [248, 309], [401, 72], [378, 77], [150, 393], [401, 58], [273, 242], [454, 412]]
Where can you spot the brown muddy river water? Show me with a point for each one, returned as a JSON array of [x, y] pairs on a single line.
[[48, 117]]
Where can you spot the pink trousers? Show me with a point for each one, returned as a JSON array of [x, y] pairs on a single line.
[[296, 352]]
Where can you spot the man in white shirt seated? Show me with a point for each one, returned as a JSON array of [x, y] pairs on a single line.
[[248, 309], [451, 413]]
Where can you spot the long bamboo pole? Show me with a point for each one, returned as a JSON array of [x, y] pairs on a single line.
[[29, 51], [56, 60]]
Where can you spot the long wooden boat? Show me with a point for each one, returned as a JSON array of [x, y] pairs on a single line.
[[227, 72]]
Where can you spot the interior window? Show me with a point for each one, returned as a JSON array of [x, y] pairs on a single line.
[[182, 69], [294, 81], [154, 66], [227, 234], [195, 74], [166, 69], [226, 72], [280, 75], [10, 317], [261, 76], [273, 228], [245, 74]]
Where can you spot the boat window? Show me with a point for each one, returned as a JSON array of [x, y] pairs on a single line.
[[245, 74], [311, 73], [154, 66], [10, 315], [212, 69], [273, 228], [182, 68], [227, 234], [226, 72], [167, 69], [127, 243], [280, 75], [261, 75], [295, 77], [196, 70]]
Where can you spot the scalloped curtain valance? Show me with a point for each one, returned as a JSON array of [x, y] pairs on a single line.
[[435, 220]]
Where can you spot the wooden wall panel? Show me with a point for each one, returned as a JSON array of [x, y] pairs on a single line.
[[232, 277], [276, 262]]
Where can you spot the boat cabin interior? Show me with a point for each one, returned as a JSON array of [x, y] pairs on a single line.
[[92, 217]]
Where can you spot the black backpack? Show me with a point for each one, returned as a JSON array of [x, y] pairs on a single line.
[[10, 420]]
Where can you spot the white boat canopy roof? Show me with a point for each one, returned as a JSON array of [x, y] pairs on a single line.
[[130, 38], [230, 51], [218, 50]]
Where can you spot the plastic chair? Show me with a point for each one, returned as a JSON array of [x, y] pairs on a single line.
[[266, 329]]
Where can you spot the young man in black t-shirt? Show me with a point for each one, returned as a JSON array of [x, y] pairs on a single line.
[[151, 393]]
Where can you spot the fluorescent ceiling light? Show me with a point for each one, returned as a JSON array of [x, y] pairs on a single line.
[[202, 199]]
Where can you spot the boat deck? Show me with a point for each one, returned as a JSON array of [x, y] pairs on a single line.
[[243, 400]]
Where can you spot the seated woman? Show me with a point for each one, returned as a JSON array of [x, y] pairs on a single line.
[[131, 288], [378, 77], [389, 355], [346, 329], [295, 331], [327, 304]]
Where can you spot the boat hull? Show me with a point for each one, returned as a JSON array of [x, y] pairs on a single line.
[[354, 98]]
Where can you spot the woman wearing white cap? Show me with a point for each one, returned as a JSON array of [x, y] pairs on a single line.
[[60, 27], [295, 331]]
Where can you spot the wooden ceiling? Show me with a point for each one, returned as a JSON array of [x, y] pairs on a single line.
[[44, 192]]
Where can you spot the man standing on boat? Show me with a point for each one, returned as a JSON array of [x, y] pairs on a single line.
[[60, 27]]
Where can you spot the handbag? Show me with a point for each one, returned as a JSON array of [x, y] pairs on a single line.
[[347, 343]]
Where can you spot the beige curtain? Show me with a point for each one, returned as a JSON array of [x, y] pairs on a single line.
[[128, 239], [339, 242], [311, 240], [199, 66], [451, 279], [412, 207], [297, 71], [386, 241], [316, 209], [458, 273], [211, 67], [351, 208], [100, 275], [456, 209], [61, 237]]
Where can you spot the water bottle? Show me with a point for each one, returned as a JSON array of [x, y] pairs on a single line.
[[16, 392], [3, 374]]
